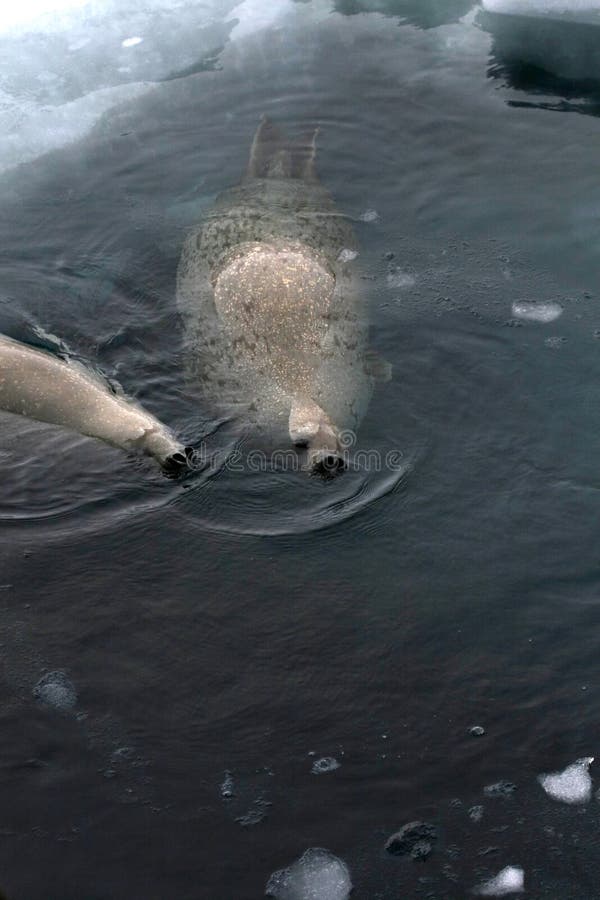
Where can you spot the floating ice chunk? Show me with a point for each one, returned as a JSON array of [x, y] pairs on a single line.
[[476, 731], [399, 279], [324, 765], [57, 690], [574, 10], [317, 875], [44, 129], [536, 311], [131, 42], [572, 785], [510, 880], [369, 215], [500, 789], [347, 255], [227, 786], [555, 343], [414, 838], [15, 14], [257, 812]]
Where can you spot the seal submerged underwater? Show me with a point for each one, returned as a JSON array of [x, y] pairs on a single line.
[[275, 320], [38, 385]]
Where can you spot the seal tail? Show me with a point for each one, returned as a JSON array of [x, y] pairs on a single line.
[[273, 155]]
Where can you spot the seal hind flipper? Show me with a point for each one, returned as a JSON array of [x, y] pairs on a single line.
[[269, 156], [274, 156], [304, 157]]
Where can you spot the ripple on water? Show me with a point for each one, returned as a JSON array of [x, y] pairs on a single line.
[[52, 476], [281, 502]]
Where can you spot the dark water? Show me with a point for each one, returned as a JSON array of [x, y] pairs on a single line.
[[240, 621]]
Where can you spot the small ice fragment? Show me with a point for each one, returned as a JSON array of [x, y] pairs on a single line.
[[257, 812], [57, 690], [536, 311], [369, 215], [317, 875], [324, 765], [500, 789], [227, 786], [399, 279], [555, 343], [476, 813], [411, 839], [476, 731], [131, 42], [346, 255], [572, 785], [510, 880]]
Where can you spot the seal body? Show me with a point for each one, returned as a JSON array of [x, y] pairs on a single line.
[[275, 326], [36, 384]]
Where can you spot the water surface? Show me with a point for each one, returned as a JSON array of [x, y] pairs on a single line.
[[240, 621]]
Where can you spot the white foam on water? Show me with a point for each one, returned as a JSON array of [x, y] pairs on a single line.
[[536, 311], [572, 785], [511, 880], [317, 875]]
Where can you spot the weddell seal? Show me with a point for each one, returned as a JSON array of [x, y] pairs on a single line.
[[38, 385], [275, 320]]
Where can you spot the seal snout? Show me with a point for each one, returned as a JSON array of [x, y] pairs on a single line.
[[178, 462], [327, 463]]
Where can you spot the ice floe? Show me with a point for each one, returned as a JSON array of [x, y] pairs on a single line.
[[317, 875], [369, 215], [511, 880], [536, 311], [577, 10], [572, 785], [324, 765], [56, 689]]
